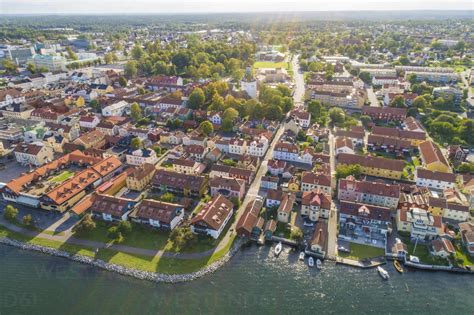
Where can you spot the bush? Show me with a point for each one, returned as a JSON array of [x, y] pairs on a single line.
[[114, 234], [296, 234], [86, 224], [125, 227], [167, 197], [28, 220], [10, 213]]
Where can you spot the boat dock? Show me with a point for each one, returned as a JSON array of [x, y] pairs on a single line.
[[364, 264]]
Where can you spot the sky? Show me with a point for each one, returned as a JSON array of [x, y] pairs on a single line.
[[202, 6]]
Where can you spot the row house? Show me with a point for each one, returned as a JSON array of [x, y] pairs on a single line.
[[227, 187], [433, 158], [389, 144], [414, 136], [373, 193], [374, 166], [385, 113], [315, 204], [185, 184], [356, 136], [434, 179], [218, 170], [187, 166], [213, 217], [110, 208], [363, 223], [158, 214]]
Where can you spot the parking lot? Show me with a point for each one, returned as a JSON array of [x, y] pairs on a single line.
[[12, 170]]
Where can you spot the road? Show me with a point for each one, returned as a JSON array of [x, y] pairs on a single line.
[[298, 95], [372, 97], [331, 252]]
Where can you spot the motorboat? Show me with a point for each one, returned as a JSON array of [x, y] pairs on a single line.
[[383, 273], [319, 264], [311, 261], [278, 248], [398, 266], [301, 256]]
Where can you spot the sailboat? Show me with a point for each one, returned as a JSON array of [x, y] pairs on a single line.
[[311, 261], [383, 273]]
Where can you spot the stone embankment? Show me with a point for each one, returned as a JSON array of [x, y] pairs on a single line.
[[135, 273]]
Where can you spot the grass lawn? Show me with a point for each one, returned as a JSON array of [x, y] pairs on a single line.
[[283, 230], [416, 161], [423, 253], [62, 177], [461, 253], [270, 64], [360, 251], [155, 264]]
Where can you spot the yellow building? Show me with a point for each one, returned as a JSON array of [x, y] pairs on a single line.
[[374, 166], [432, 157], [140, 177], [293, 185]]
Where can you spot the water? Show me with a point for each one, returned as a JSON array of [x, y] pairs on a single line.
[[253, 282]]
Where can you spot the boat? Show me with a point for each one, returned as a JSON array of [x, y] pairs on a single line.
[[278, 248], [301, 256], [311, 262], [319, 264], [398, 266], [383, 273]]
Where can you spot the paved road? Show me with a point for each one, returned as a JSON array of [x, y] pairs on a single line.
[[298, 96], [372, 98], [333, 221]]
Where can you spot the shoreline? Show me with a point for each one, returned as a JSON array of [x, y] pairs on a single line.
[[131, 272]]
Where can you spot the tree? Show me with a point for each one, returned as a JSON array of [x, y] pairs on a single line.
[[420, 102], [137, 52], [167, 197], [10, 213], [125, 227], [227, 125], [71, 54], [366, 120], [217, 103], [86, 224], [123, 81], [412, 78], [315, 108], [230, 114], [10, 66], [466, 168], [31, 67], [131, 69], [365, 76], [196, 99], [136, 143], [206, 127], [342, 171], [337, 115], [136, 111], [398, 101], [182, 237], [114, 234], [27, 220], [296, 233], [403, 59]]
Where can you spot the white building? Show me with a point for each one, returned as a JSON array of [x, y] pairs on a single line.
[[433, 179], [52, 63], [141, 156], [238, 146], [33, 154], [258, 147], [117, 109]]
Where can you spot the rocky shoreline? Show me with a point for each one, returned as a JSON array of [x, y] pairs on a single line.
[[135, 273]]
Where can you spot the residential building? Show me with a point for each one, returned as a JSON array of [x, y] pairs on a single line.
[[11, 96], [467, 236], [269, 182], [420, 223], [368, 192], [385, 113], [250, 224], [434, 179], [218, 170], [364, 224], [238, 146], [258, 147], [344, 145], [110, 208], [17, 111], [285, 207], [187, 166], [274, 198], [432, 157], [374, 166], [389, 144], [142, 156], [311, 181], [52, 63], [213, 217], [186, 184], [33, 154], [414, 136], [442, 247], [159, 214], [315, 204], [119, 108], [303, 118], [140, 177], [92, 139], [228, 187], [319, 240]]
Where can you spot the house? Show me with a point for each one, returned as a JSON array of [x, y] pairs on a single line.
[[119, 108], [400, 249], [107, 128], [89, 121], [237, 146], [414, 136], [357, 137], [303, 118], [187, 166], [33, 154], [385, 113], [311, 181], [222, 145], [432, 157], [274, 198], [258, 147], [319, 240], [467, 236], [344, 145], [434, 179], [9, 96], [420, 223], [269, 182], [110, 208], [169, 83], [457, 154], [17, 111], [93, 139], [173, 138], [228, 187], [315, 204], [159, 214], [218, 170], [364, 224], [140, 177], [276, 167], [456, 212], [196, 151], [286, 151], [285, 207], [186, 184], [250, 224], [213, 217], [55, 142], [373, 193], [442, 247], [142, 156], [215, 118], [374, 166]]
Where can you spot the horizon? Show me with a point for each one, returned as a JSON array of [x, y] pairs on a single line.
[[150, 7]]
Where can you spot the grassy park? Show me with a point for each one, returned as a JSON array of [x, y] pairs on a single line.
[[360, 252]]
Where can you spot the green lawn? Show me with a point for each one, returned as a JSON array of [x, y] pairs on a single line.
[[423, 253], [155, 264], [461, 253], [62, 177], [270, 64], [360, 252]]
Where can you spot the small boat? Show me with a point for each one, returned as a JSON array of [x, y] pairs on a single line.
[[311, 262], [278, 248], [398, 266], [301, 256], [383, 273], [319, 264]]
